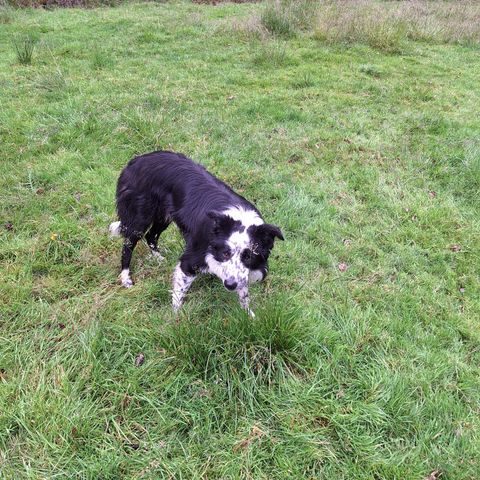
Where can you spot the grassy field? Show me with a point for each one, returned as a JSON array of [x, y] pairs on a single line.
[[363, 360]]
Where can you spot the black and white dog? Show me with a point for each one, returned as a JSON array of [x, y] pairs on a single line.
[[224, 233]]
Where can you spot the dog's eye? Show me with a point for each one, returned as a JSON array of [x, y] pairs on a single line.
[[226, 254], [248, 255]]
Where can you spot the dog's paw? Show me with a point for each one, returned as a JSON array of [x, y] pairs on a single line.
[[250, 313], [255, 276], [156, 254], [125, 279], [115, 229]]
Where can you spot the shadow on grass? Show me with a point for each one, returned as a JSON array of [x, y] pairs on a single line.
[[240, 352]]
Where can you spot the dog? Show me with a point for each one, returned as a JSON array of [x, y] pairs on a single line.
[[224, 234]]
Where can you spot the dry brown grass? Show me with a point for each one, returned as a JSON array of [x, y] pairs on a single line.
[[215, 2], [249, 28], [384, 25]]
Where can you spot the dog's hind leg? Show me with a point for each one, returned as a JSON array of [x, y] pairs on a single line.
[[152, 237], [127, 251], [181, 284]]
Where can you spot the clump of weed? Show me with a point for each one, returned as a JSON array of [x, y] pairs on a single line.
[[101, 60], [303, 80], [465, 176], [238, 351], [250, 28], [277, 20], [52, 83], [147, 37], [270, 54], [6, 14], [370, 70], [302, 12], [24, 46], [285, 17]]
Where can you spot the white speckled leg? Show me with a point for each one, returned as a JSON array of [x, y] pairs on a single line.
[[245, 300], [125, 278], [181, 284]]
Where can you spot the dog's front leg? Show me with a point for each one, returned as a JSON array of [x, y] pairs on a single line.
[[181, 284], [245, 300]]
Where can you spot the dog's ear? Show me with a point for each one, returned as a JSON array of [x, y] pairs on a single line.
[[268, 232], [271, 230], [221, 222]]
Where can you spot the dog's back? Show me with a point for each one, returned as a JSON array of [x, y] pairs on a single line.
[[166, 186]]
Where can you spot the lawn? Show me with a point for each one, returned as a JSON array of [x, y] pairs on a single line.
[[363, 359]]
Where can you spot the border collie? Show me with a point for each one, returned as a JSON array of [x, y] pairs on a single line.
[[224, 233]]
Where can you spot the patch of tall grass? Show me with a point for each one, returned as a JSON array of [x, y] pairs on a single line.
[[385, 26], [24, 46], [285, 17]]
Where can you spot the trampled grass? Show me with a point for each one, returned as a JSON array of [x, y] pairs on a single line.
[[363, 359]]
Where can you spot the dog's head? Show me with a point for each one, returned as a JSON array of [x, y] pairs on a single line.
[[238, 246]]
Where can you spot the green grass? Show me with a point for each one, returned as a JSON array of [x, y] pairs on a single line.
[[363, 158], [24, 48]]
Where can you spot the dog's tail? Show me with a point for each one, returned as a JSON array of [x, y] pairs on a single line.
[[115, 229]]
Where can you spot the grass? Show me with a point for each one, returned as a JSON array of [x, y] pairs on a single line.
[[6, 14], [285, 17], [101, 60], [276, 20], [270, 54], [24, 47], [362, 361], [386, 25]]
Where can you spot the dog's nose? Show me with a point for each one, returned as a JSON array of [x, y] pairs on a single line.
[[230, 284]]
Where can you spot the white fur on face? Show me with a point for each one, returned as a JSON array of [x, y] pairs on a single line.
[[245, 217], [232, 270]]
